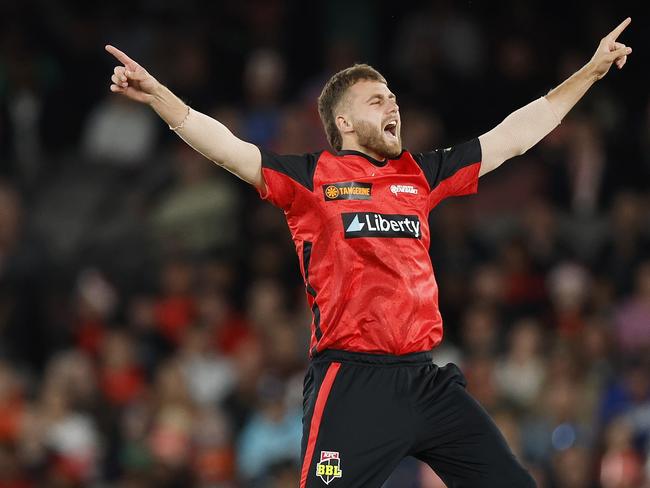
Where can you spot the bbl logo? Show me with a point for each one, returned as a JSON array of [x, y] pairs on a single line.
[[347, 190], [329, 466]]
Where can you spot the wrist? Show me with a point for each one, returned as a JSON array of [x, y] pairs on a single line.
[[590, 72], [156, 95], [180, 125]]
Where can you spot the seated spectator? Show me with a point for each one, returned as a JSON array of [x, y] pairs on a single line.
[[273, 433]]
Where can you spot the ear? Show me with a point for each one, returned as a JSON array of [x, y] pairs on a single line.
[[344, 124]]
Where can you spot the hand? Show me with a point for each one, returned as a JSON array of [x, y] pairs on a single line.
[[610, 51], [131, 80]]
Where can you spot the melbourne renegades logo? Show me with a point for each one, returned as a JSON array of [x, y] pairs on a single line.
[[329, 466]]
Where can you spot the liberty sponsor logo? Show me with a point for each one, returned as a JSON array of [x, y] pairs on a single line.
[[395, 189], [370, 224], [347, 190], [329, 467]]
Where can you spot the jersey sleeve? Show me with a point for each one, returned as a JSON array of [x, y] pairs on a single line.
[[453, 171], [284, 175]]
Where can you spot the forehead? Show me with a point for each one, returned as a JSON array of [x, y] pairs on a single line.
[[364, 89]]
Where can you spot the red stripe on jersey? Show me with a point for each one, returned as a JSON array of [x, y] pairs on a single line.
[[316, 418], [463, 182]]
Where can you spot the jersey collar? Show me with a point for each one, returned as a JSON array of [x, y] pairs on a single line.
[[376, 162]]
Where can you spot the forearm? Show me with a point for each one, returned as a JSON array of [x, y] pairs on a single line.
[[209, 137], [525, 127], [168, 106], [563, 97]]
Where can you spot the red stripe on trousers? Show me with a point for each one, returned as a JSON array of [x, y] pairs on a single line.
[[316, 418]]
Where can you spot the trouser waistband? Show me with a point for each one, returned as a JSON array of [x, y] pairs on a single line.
[[424, 357]]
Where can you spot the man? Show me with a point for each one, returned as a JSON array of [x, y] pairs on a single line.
[[358, 217]]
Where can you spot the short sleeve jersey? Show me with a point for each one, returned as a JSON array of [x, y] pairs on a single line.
[[360, 228]]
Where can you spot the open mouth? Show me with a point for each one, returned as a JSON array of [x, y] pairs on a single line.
[[391, 129]]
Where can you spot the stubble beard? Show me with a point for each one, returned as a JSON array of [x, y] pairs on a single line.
[[369, 136]]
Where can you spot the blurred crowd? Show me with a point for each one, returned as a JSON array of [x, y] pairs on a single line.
[[153, 322]]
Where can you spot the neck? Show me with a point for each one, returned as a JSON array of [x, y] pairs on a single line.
[[353, 146]]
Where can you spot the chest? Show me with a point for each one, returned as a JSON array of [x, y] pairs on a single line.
[[359, 186]]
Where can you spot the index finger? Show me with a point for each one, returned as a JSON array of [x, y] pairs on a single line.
[[123, 58], [621, 27]]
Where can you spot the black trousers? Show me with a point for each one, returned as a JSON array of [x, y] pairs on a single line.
[[363, 413]]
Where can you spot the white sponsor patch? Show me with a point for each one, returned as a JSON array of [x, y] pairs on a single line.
[[371, 224], [395, 189]]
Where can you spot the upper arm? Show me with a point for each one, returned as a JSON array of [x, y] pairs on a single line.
[[496, 148], [452, 171]]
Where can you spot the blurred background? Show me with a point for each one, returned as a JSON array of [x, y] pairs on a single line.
[[153, 321]]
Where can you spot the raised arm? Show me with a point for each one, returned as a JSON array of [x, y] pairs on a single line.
[[205, 134], [526, 126]]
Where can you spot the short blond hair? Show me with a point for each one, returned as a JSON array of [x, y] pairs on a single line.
[[334, 92]]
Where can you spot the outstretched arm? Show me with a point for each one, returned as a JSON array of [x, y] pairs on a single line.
[[525, 127], [203, 133]]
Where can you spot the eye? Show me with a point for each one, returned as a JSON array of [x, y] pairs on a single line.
[[376, 102]]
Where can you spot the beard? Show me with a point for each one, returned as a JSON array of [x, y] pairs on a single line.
[[373, 138]]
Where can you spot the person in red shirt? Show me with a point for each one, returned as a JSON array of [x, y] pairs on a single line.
[[357, 214]]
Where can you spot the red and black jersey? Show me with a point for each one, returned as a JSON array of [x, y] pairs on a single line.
[[360, 227]]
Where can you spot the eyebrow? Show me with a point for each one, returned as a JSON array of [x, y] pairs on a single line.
[[380, 95]]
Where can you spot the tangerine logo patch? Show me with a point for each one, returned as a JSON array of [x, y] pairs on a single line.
[[347, 190], [329, 467], [332, 192]]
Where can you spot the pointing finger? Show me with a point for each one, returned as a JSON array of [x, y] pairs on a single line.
[[620, 28], [121, 57]]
